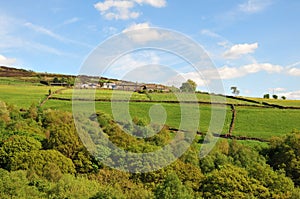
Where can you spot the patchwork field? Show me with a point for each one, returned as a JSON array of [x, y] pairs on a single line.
[[258, 122]]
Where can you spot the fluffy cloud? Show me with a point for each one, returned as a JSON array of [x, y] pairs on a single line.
[[293, 71], [178, 78], [6, 61], [144, 35], [254, 6], [122, 9], [227, 72], [137, 26], [240, 49]]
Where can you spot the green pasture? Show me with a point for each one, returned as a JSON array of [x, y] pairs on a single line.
[[251, 121], [287, 102], [265, 122], [202, 97], [23, 96], [101, 94], [118, 94], [142, 110]]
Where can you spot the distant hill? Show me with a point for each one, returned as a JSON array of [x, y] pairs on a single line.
[[16, 72]]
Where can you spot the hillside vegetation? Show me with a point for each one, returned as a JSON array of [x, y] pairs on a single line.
[[42, 155]]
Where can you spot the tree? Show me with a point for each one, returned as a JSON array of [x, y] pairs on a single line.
[[284, 154], [283, 97], [275, 96], [233, 182], [55, 80], [266, 96], [15, 145], [235, 91], [188, 86], [16, 185], [172, 187]]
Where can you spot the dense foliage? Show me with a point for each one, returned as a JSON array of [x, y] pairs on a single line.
[[42, 156]]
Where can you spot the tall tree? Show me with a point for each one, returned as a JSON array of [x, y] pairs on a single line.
[[188, 86]]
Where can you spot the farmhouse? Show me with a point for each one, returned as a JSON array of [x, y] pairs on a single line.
[[88, 85], [109, 86]]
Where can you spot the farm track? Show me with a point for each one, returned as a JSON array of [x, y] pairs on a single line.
[[50, 95]]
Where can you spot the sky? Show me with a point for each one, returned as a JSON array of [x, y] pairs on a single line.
[[253, 44]]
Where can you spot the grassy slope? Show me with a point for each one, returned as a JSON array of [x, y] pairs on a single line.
[[295, 103], [141, 110], [107, 94], [265, 123], [253, 122], [23, 96]]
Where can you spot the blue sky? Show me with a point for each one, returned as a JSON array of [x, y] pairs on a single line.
[[253, 43]]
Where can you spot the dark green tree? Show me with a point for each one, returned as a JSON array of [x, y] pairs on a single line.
[[284, 154], [266, 96], [234, 90]]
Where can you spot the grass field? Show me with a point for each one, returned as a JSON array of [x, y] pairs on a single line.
[[23, 96], [295, 103], [102, 94], [141, 111], [265, 123], [116, 94], [250, 121]]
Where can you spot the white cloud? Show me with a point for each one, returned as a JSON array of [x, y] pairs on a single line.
[[144, 35], [178, 79], [293, 71], [137, 26], [254, 6], [154, 3], [122, 9], [196, 77], [240, 49], [7, 61], [227, 72], [131, 62], [291, 94]]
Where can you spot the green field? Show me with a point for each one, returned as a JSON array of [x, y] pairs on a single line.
[[116, 94], [288, 103], [101, 94], [23, 96], [141, 110], [265, 123], [251, 121]]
